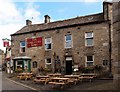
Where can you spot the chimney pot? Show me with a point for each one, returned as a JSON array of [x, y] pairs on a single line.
[[47, 19], [28, 22]]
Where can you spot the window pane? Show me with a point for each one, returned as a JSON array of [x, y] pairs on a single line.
[[48, 61], [89, 42], [105, 62], [89, 58], [34, 64], [48, 46], [19, 62], [89, 63], [68, 44], [23, 49], [90, 34], [48, 40], [22, 44], [68, 37]]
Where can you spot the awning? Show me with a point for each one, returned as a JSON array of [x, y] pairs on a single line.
[[23, 57]]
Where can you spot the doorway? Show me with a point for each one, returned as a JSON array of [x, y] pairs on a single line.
[[69, 65]]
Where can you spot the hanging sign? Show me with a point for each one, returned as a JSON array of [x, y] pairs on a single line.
[[6, 42]]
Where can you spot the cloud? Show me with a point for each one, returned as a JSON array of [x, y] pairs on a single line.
[[12, 17], [58, 0], [31, 12]]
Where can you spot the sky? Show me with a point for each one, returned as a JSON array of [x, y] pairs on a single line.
[[14, 13]]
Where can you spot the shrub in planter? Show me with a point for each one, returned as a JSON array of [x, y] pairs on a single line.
[[88, 70], [18, 70], [83, 69]]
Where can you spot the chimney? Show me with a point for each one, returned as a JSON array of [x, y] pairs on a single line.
[[107, 10], [28, 22], [47, 19]]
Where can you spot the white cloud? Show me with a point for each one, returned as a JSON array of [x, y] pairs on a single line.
[[32, 13], [12, 19], [58, 0]]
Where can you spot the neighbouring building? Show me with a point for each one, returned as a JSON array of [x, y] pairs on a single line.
[[1, 57], [84, 40], [8, 61], [116, 43]]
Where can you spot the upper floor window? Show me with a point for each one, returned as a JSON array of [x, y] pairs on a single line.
[[22, 46], [48, 43], [68, 41], [90, 60], [89, 39]]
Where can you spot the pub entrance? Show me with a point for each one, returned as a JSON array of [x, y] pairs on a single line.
[[68, 65]]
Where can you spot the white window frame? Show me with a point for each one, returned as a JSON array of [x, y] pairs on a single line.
[[90, 37], [48, 42], [68, 41], [22, 47], [89, 61], [47, 63]]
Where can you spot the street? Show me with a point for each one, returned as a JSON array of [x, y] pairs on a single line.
[[9, 85]]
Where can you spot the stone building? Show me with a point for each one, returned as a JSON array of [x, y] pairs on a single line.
[[84, 40], [116, 43], [1, 57]]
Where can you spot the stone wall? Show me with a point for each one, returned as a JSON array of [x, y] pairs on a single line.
[[116, 43], [100, 50]]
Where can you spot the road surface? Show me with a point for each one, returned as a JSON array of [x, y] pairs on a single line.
[[11, 86]]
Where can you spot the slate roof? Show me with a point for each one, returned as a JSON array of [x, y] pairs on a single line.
[[59, 24]]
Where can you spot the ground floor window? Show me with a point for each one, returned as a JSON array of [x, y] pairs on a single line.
[[89, 60], [35, 64], [21, 65], [48, 63]]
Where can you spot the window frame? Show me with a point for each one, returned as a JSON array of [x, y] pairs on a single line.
[[48, 42], [91, 37], [47, 63], [34, 64], [89, 61], [68, 41], [22, 47]]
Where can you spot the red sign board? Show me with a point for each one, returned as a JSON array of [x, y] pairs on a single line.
[[6, 43], [34, 42]]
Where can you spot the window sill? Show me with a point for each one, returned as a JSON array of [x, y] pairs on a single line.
[[48, 49], [89, 46]]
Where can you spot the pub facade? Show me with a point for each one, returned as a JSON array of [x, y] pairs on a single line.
[[81, 41]]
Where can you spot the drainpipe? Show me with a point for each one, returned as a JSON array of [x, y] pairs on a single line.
[[110, 51]]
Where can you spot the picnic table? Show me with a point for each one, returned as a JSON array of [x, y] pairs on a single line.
[[73, 78], [43, 79], [89, 76], [25, 76], [59, 81], [55, 75]]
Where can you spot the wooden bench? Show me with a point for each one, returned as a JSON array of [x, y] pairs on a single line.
[[43, 79], [59, 81], [90, 77], [24, 76], [73, 78]]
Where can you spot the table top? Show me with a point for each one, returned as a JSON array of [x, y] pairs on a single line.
[[87, 74], [71, 75], [54, 74], [39, 76], [56, 78], [25, 73]]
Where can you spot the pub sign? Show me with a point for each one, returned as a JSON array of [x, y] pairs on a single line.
[[34, 42]]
